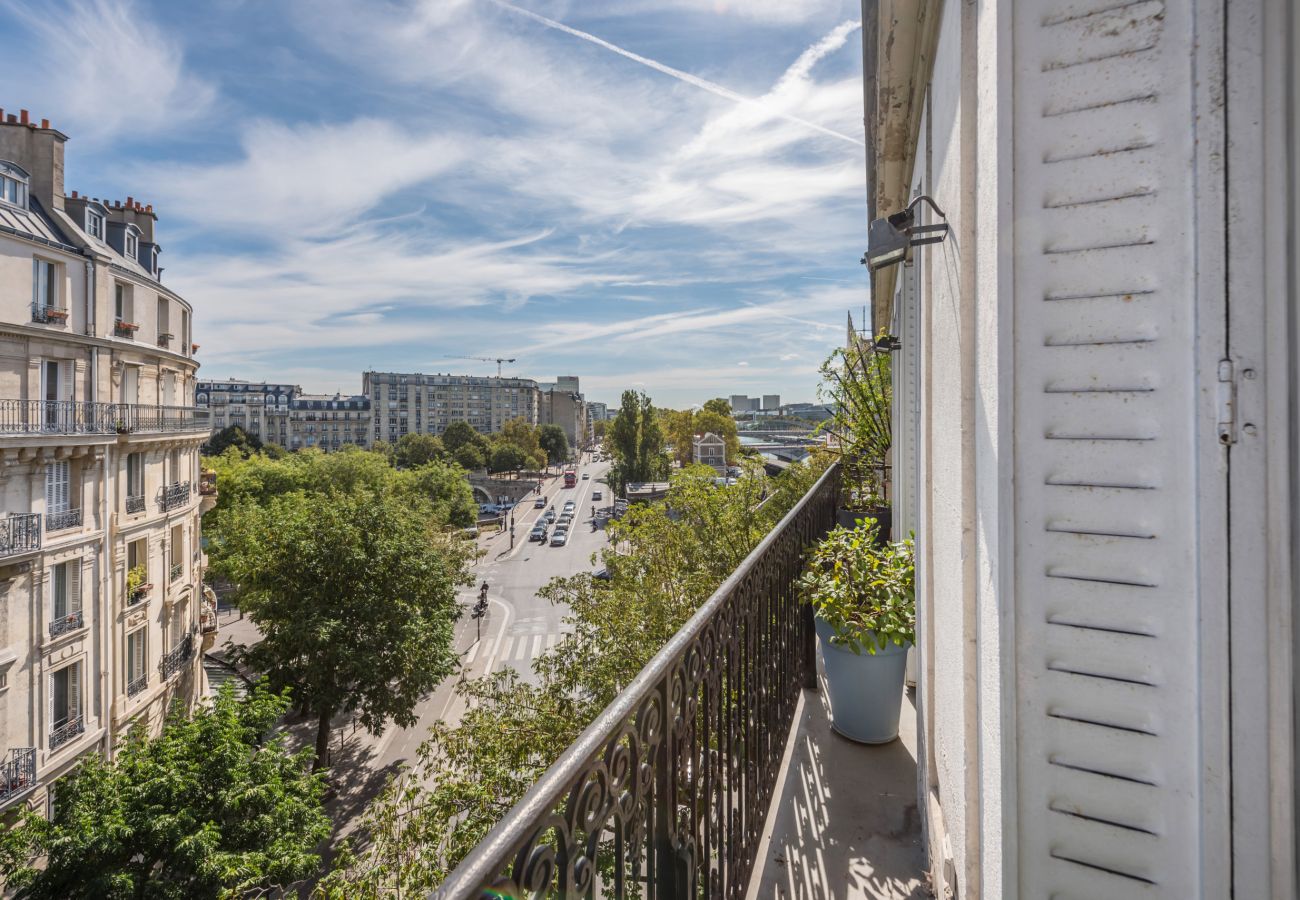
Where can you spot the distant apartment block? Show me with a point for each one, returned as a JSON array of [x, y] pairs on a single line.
[[561, 403], [282, 414], [100, 555], [597, 412], [741, 403], [771, 402], [415, 403]]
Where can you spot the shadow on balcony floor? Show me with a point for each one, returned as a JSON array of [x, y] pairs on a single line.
[[844, 823]]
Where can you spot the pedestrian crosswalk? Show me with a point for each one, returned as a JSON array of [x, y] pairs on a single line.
[[517, 650]]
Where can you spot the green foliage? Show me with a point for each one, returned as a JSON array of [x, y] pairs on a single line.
[[444, 488], [469, 457], [718, 406], [414, 450], [554, 443], [506, 458], [598, 429], [354, 592], [210, 808], [866, 593], [136, 576], [459, 434], [636, 440], [857, 382], [674, 555], [232, 436]]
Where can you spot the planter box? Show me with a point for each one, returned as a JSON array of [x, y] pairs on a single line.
[[865, 691]]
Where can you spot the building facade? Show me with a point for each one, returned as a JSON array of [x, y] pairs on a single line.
[[426, 404], [284, 415], [1095, 435], [329, 421], [100, 559], [561, 403], [710, 450]]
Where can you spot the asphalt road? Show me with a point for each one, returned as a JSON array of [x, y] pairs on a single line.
[[519, 625]]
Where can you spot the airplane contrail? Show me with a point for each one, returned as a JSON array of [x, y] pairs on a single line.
[[703, 84]]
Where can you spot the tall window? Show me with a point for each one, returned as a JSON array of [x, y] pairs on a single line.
[[136, 657], [65, 695], [65, 591], [134, 475], [132, 244], [45, 283], [122, 302], [173, 466], [58, 477]]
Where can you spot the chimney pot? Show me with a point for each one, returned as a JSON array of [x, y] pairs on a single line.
[[45, 123], [149, 208], [74, 195], [12, 119], [130, 201], [22, 113]]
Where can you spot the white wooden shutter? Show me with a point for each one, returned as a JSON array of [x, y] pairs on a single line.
[[67, 389], [74, 690], [74, 585], [57, 475], [1119, 723]]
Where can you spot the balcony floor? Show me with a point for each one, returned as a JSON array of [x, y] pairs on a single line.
[[844, 823]]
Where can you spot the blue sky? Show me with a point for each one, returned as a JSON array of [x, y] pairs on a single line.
[[664, 194]]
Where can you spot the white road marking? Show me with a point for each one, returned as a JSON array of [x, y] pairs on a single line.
[[552, 640], [536, 648], [473, 653]]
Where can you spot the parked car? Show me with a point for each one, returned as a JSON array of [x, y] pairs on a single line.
[[487, 509], [539, 503], [596, 495], [560, 537], [538, 533]]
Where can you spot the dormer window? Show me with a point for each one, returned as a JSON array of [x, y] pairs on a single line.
[[96, 222], [13, 184], [132, 245]]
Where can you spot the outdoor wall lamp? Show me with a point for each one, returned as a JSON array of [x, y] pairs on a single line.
[[889, 239]]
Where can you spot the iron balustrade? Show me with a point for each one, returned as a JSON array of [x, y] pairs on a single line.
[[177, 657], [63, 624], [46, 314], [135, 504], [125, 329], [20, 533], [665, 793], [21, 417], [17, 772], [174, 495], [61, 519], [137, 684], [66, 731], [176, 571]]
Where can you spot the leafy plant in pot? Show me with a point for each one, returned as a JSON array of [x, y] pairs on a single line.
[[857, 385], [863, 595]]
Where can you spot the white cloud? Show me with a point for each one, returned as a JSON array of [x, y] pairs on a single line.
[[105, 70]]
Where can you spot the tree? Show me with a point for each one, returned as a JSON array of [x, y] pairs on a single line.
[[355, 597], [414, 450], [554, 441], [212, 807], [232, 436], [636, 441], [458, 434], [679, 432], [598, 429], [472, 773], [718, 405], [522, 434], [444, 487], [506, 458], [469, 457]]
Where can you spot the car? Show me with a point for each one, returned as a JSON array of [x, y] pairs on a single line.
[[570, 506], [507, 506], [538, 533], [586, 475], [539, 503], [487, 509], [549, 516], [596, 495], [566, 519], [559, 538], [602, 575]]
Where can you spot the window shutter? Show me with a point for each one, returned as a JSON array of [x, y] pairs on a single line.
[[74, 585], [36, 282], [57, 475], [74, 690], [58, 598], [1120, 774], [67, 389]]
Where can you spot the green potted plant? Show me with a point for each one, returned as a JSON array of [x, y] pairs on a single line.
[[136, 583], [857, 384], [863, 596]]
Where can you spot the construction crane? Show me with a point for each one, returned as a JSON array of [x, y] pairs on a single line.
[[496, 359]]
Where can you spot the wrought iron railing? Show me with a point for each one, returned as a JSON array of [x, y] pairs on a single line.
[[63, 518], [20, 533], [80, 417], [66, 731], [46, 314], [135, 504], [177, 570], [122, 328], [137, 684], [177, 657], [17, 772], [63, 624], [174, 495], [665, 793]]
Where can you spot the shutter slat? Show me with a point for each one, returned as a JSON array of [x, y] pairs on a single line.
[[74, 586]]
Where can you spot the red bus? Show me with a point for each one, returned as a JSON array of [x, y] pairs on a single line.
[[570, 478]]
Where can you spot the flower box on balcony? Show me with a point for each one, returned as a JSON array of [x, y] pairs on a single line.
[[194, 348], [125, 329], [55, 314]]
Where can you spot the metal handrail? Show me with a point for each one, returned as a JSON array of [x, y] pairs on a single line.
[[46, 314], [177, 570], [626, 779], [63, 518], [20, 533], [66, 732], [135, 503], [176, 657], [136, 685], [63, 624], [82, 417], [17, 772], [174, 495]]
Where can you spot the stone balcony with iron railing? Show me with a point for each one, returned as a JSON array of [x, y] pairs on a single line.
[[19, 534], [17, 773], [66, 731], [23, 418], [137, 684], [65, 623], [174, 495], [60, 519], [715, 773], [49, 315], [176, 658]]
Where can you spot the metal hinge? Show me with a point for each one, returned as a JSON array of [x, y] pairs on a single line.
[[1227, 411]]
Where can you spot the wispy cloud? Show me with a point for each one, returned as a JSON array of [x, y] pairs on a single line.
[[105, 70]]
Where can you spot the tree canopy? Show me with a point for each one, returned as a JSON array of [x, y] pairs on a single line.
[[354, 593], [636, 441], [415, 450], [214, 806], [232, 436], [458, 434], [554, 442]]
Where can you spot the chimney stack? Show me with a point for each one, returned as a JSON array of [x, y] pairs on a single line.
[[45, 123], [22, 113]]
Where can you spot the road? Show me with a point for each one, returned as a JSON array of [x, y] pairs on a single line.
[[519, 625]]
